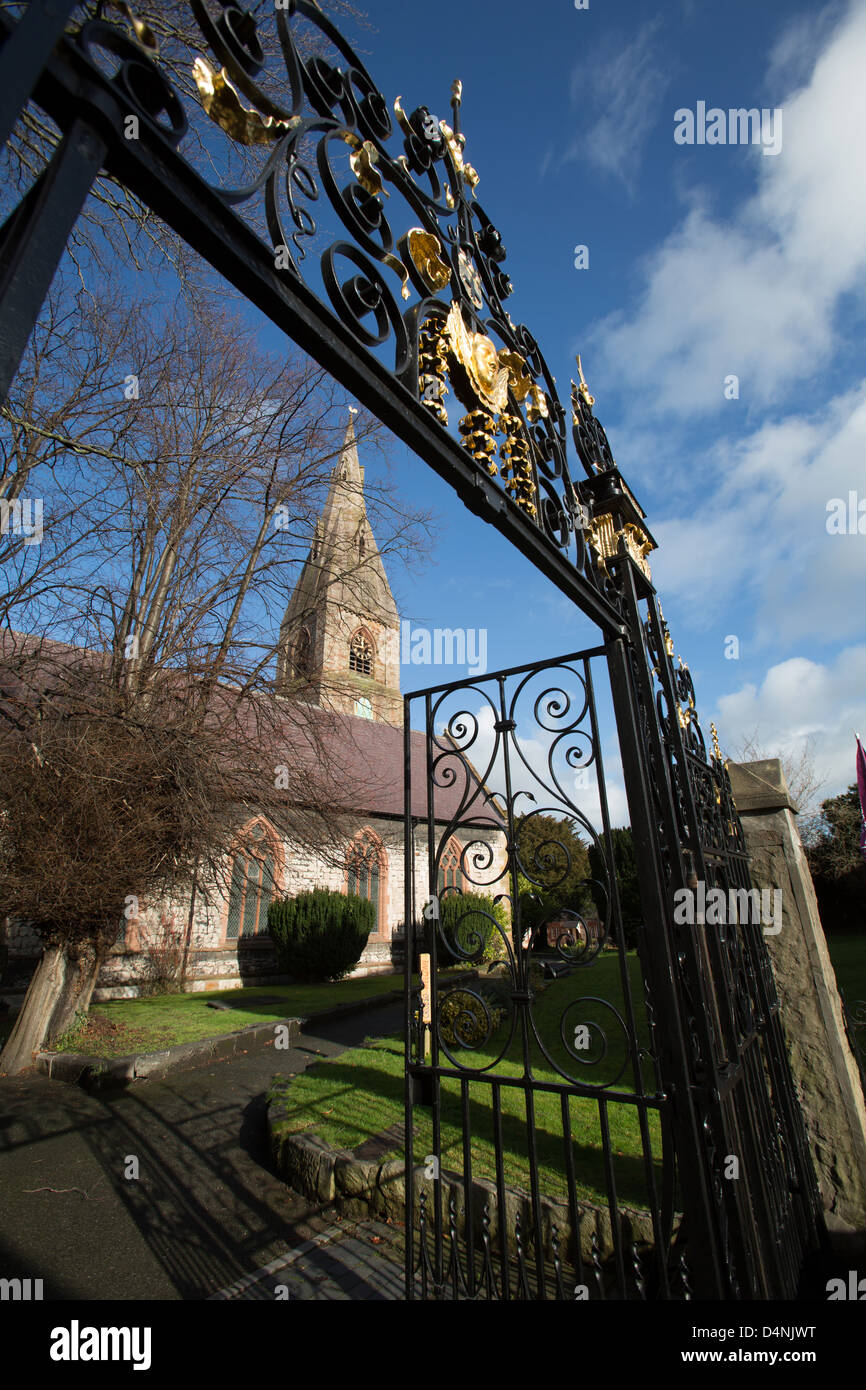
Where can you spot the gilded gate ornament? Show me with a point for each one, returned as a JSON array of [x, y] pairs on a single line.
[[475, 353], [221, 100], [427, 255]]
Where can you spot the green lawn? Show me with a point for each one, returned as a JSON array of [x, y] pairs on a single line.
[[360, 1094], [848, 954], [123, 1026]]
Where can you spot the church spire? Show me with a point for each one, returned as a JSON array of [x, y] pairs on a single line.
[[345, 499], [339, 639]]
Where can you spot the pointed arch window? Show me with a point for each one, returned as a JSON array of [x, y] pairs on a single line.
[[361, 654], [253, 884], [363, 871], [450, 873]]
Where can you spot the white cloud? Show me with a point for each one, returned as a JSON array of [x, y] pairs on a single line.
[[755, 293], [613, 89], [800, 700], [756, 544]]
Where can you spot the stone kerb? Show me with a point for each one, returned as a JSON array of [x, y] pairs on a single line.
[[365, 1189]]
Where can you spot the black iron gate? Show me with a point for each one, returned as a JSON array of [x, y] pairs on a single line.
[[405, 305], [553, 1090], [539, 1147]]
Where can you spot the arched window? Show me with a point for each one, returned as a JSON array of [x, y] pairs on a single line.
[[252, 887], [450, 874], [363, 870], [361, 654], [303, 654], [364, 708]]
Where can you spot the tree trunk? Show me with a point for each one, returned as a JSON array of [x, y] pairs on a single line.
[[62, 985], [82, 968]]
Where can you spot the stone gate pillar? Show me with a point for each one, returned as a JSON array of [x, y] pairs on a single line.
[[824, 1069]]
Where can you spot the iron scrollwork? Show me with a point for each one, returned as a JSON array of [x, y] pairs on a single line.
[[414, 267]]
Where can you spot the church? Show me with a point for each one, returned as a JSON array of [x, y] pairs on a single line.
[[339, 650]]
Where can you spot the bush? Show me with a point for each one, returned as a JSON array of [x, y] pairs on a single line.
[[320, 935], [468, 922], [464, 1021]]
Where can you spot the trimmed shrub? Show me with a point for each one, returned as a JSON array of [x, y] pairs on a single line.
[[320, 935], [468, 921], [467, 1022]]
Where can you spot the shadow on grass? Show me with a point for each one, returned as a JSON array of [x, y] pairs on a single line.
[[346, 1103]]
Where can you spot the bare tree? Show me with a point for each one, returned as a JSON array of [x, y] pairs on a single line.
[[146, 735], [115, 226], [802, 776]]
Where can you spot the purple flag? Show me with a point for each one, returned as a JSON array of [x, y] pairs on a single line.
[[861, 787]]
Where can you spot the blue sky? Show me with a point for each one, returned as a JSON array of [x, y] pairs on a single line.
[[705, 261]]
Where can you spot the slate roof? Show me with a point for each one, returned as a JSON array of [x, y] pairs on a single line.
[[367, 755]]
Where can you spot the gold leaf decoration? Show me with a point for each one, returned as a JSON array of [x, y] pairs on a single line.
[[537, 408], [583, 389], [518, 377], [362, 161], [222, 102], [486, 377], [401, 270], [428, 257], [456, 144], [140, 28]]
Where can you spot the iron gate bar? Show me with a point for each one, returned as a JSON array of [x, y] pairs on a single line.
[[701, 1021], [34, 236], [661, 1235], [745, 1214], [659, 966], [24, 55], [450, 687]]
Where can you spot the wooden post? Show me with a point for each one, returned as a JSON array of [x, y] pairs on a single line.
[[426, 1001]]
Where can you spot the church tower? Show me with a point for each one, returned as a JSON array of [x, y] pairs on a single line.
[[340, 637]]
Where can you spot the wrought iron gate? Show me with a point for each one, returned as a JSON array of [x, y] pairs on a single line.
[[546, 1105], [528, 1076], [404, 319]]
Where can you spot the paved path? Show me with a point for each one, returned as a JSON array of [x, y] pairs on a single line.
[[206, 1218]]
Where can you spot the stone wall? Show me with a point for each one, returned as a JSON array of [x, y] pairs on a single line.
[[376, 1189], [825, 1072], [219, 963]]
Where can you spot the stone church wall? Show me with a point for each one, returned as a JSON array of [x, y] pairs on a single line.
[[153, 941]]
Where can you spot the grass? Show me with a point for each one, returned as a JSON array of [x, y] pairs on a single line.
[[119, 1027], [848, 954], [350, 1098]]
